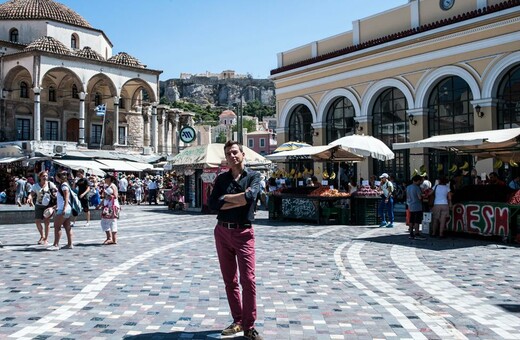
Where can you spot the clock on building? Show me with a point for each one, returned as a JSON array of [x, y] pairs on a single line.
[[447, 4]]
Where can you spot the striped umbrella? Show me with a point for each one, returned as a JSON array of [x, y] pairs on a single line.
[[288, 146]]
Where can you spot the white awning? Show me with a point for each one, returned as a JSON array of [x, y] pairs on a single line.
[[126, 166], [90, 167], [492, 143], [7, 160], [322, 152]]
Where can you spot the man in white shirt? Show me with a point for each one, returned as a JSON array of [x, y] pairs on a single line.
[[386, 206], [123, 187]]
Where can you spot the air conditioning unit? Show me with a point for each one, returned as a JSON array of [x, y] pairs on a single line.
[[59, 149], [147, 150]]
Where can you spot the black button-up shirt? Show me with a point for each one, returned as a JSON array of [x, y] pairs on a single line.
[[226, 184]]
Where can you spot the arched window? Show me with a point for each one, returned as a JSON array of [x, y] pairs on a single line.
[[300, 125], [508, 107], [97, 99], [52, 94], [74, 41], [24, 90], [450, 110], [340, 119], [13, 35], [75, 91], [390, 125]]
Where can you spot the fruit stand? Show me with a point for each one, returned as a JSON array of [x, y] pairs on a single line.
[[365, 206], [318, 205]]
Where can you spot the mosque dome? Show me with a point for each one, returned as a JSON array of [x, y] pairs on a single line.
[[48, 44], [126, 59], [40, 10], [89, 53]]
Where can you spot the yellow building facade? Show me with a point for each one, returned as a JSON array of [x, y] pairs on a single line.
[[416, 71]]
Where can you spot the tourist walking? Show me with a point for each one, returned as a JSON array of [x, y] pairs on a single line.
[[414, 202], [233, 196], [110, 212], [82, 186], [123, 188], [63, 212], [152, 191], [386, 206], [41, 197]]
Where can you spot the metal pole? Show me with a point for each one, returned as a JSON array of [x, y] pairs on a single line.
[[101, 141]]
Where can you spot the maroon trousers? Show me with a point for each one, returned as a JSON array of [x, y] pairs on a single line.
[[236, 250]]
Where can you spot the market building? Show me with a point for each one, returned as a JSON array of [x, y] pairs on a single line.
[[422, 69]]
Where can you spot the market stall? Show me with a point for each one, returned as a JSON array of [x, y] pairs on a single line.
[[201, 164], [488, 210], [317, 204]]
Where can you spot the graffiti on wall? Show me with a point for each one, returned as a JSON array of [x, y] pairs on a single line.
[[480, 218]]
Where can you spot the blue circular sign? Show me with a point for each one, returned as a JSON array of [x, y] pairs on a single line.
[[187, 134]]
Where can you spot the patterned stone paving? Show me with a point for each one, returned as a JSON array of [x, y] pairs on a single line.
[[314, 282]]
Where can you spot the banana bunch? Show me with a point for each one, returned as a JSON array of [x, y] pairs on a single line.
[[453, 168], [332, 175], [311, 172], [415, 172], [440, 167], [465, 166], [498, 164], [422, 169], [325, 175], [299, 175], [293, 172], [513, 163]]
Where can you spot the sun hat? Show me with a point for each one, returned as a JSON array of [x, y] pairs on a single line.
[[385, 175]]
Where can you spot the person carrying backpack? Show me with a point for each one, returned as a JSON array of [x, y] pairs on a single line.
[[63, 212]]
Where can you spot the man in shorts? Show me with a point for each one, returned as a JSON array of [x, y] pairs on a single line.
[[414, 201], [123, 188], [82, 186]]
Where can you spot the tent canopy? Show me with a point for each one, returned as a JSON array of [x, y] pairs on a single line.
[[212, 156], [366, 146], [90, 167], [322, 152], [503, 144], [125, 166]]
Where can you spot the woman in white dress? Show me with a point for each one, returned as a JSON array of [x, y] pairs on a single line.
[[110, 213]]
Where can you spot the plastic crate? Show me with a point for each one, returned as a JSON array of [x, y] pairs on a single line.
[[364, 210]]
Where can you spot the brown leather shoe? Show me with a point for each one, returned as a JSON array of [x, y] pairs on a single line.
[[234, 328], [252, 334]]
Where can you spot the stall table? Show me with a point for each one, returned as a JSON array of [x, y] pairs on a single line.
[[485, 218], [307, 208]]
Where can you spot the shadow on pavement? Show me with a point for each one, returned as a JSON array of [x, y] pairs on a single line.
[[452, 241], [178, 335]]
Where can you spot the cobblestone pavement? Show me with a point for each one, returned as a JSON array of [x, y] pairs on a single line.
[[313, 282]]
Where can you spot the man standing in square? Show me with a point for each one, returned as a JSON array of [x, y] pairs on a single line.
[[414, 202], [234, 196], [386, 206]]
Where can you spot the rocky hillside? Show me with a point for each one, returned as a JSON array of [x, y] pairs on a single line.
[[216, 92]]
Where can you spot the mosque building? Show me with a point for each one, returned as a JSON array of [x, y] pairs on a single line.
[[63, 89], [423, 69]]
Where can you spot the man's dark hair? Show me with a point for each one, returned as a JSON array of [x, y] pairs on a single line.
[[416, 178], [81, 171], [230, 143]]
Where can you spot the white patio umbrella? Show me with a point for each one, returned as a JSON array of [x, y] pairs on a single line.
[[365, 146]]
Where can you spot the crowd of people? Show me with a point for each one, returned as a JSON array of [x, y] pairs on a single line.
[[51, 197]]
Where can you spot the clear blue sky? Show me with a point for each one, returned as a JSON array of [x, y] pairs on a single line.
[[195, 36]]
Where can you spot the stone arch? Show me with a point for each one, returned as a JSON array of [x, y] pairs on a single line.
[[375, 90], [63, 79], [429, 80], [329, 97], [494, 75], [283, 120], [133, 88], [14, 77]]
